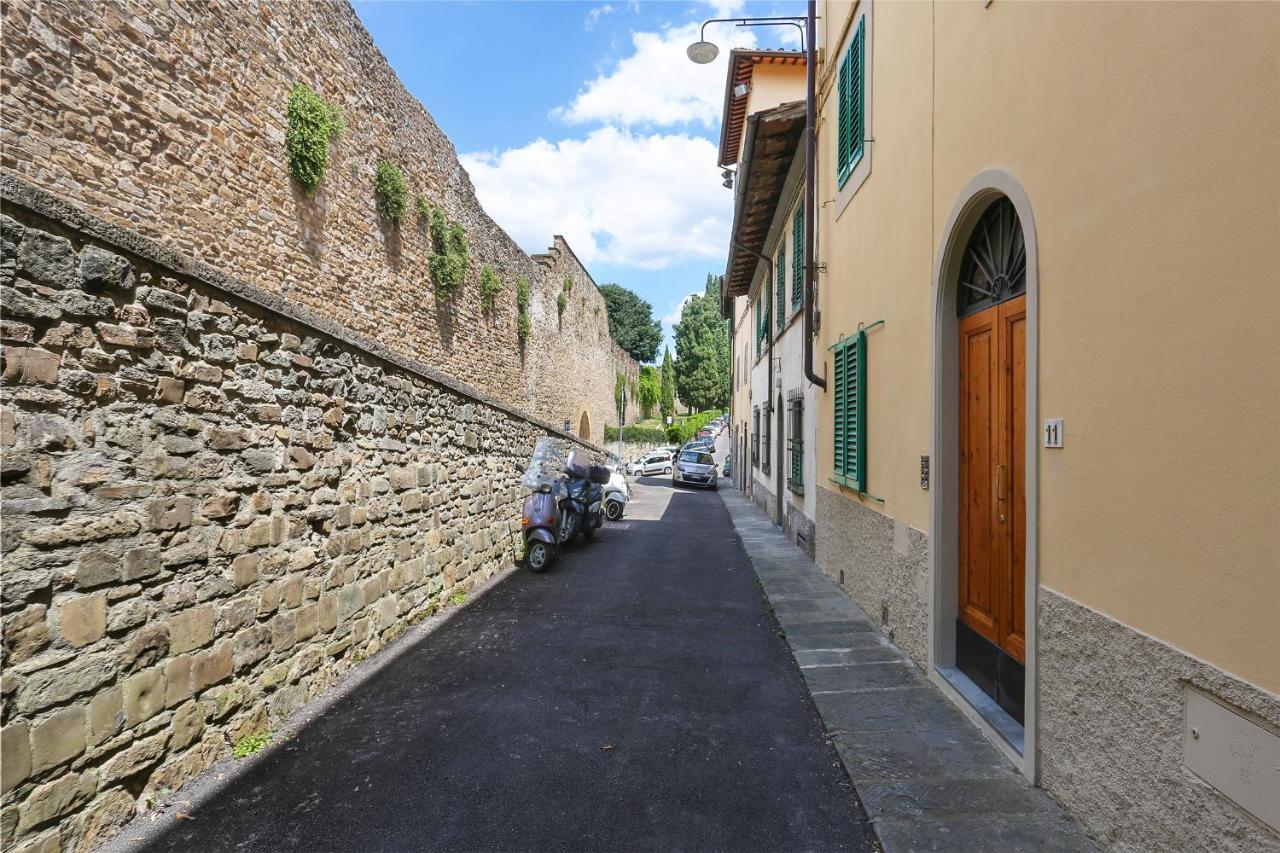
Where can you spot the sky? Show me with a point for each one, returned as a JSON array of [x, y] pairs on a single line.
[[586, 119]]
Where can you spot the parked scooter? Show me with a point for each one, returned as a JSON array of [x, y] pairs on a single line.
[[616, 495], [565, 498]]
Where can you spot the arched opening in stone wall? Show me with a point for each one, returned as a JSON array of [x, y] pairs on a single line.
[[584, 427]]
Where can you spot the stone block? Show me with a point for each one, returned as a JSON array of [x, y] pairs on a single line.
[[291, 593], [47, 259], [169, 513], [26, 633], [18, 304], [57, 685], [191, 629], [97, 568], [144, 695], [213, 665], [106, 714], [83, 620], [15, 746], [57, 798], [284, 631], [327, 612], [57, 738], [72, 532], [147, 646], [187, 726], [252, 645], [31, 366], [103, 817], [169, 391], [245, 569], [140, 563], [140, 755], [178, 677], [269, 599], [308, 622], [100, 269], [49, 841]]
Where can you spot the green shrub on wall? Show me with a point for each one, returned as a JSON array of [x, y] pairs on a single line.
[[685, 429], [568, 284], [522, 308], [562, 302], [313, 123], [637, 434], [490, 287], [392, 195], [449, 262], [423, 208]]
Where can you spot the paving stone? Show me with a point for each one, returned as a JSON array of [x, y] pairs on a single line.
[[868, 676], [919, 755]]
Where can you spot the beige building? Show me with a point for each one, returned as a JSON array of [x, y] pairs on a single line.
[[1046, 454]]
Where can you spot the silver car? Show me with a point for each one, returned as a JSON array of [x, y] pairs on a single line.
[[695, 468]]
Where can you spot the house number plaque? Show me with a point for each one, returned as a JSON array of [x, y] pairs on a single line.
[[1053, 432]]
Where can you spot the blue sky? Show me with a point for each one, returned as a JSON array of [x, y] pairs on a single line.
[[585, 119]]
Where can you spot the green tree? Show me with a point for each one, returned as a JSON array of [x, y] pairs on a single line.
[[650, 389], [702, 351], [618, 387], [667, 386], [631, 323]]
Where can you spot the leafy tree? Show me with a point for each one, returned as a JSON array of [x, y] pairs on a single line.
[[702, 351], [631, 323], [618, 387], [667, 386], [650, 389]]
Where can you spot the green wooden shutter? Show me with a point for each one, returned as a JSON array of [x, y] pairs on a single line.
[[851, 412], [780, 264], [797, 258], [759, 315], [850, 86]]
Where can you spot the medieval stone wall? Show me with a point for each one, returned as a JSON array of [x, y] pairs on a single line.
[[169, 118], [214, 504]]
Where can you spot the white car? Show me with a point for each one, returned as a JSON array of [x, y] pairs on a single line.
[[658, 462]]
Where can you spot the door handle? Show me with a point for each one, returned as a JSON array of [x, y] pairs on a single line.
[[1001, 476]]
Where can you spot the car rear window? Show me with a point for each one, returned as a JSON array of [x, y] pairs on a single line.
[[697, 458]]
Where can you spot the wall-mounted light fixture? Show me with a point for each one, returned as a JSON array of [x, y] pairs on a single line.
[[727, 176], [740, 90]]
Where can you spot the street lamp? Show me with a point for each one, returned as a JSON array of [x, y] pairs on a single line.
[[703, 52]]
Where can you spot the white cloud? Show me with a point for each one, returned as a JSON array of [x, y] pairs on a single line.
[[657, 84], [676, 309], [726, 8], [597, 12], [617, 197]]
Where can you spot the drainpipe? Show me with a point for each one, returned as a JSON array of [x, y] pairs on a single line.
[[810, 190]]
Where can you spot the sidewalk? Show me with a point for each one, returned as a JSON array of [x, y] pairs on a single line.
[[927, 777]]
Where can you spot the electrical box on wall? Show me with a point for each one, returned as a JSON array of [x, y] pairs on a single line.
[[1233, 753]]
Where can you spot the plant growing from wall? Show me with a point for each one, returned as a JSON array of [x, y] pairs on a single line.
[[449, 261], [522, 308], [490, 287], [392, 194], [423, 208], [313, 123], [562, 302], [568, 284]]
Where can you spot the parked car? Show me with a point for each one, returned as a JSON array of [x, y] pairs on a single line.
[[658, 462], [695, 468]]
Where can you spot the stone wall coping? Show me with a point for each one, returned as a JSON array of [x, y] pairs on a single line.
[[16, 191]]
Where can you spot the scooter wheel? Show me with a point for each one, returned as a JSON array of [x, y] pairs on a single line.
[[613, 510], [540, 556]]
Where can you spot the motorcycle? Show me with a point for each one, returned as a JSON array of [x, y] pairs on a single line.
[[564, 499], [616, 495]]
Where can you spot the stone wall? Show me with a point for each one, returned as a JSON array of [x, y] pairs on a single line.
[[214, 504], [169, 119]]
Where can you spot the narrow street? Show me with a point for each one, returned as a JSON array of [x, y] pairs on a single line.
[[638, 696]]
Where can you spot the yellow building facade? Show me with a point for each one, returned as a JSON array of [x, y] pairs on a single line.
[[1049, 248]]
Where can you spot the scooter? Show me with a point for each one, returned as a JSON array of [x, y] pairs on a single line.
[[565, 499], [583, 507], [616, 495]]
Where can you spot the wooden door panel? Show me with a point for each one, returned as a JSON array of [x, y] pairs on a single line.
[[979, 552], [1012, 512]]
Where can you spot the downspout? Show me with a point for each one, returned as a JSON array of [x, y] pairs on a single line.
[[810, 190]]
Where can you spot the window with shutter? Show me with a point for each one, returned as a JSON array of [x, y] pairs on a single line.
[[796, 444], [797, 258], [780, 264], [850, 412], [759, 325], [850, 85]]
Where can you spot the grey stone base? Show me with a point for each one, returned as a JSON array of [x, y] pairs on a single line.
[[764, 499], [1111, 718], [856, 551], [801, 530]]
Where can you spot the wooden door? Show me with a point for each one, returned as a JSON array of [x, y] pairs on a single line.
[[992, 474]]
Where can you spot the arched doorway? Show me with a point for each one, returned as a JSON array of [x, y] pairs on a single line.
[[983, 500], [584, 427]]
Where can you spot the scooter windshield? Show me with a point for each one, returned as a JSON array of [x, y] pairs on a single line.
[[548, 463]]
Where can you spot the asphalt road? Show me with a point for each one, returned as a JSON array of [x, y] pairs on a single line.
[[635, 697]]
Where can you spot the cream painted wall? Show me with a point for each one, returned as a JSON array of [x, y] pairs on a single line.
[[1149, 153], [772, 85]]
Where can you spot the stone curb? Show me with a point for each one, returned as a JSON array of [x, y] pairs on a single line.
[[15, 191], [926, 776], [140, 833]]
